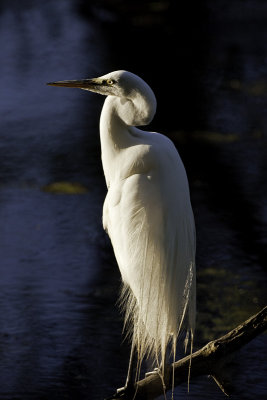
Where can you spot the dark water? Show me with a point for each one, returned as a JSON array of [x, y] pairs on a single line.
[[60, 328]]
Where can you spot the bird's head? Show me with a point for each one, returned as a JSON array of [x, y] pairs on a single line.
[[117, 83], [122, 84]]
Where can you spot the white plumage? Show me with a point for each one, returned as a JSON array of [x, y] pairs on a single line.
[[147, 214]]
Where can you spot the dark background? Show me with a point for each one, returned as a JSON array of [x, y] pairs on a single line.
[[60, 327]]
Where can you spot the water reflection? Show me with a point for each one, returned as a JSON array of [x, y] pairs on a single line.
[[50, 244], [60, 330]]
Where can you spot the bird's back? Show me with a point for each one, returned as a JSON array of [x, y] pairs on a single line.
[[148, 216]]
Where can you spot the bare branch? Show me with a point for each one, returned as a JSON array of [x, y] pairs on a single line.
[[209, 360]]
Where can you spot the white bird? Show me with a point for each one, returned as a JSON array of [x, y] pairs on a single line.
[[148, 216]]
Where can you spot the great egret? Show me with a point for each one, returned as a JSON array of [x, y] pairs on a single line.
[[148, 216]]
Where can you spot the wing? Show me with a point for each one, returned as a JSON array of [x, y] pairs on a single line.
[[150, 222]]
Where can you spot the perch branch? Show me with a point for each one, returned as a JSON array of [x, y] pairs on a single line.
[[209, 360]]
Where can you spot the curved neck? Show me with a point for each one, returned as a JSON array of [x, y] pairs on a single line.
[[114, 136], [114, 132], [137, 108], [117, 117]]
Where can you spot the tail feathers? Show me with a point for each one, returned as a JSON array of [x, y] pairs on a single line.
[[151, 328], [158, 294]]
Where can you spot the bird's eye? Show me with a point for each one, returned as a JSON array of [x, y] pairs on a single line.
[[109, 82]]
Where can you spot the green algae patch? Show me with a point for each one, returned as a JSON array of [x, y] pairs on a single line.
[[65, 188], [216, 138]]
